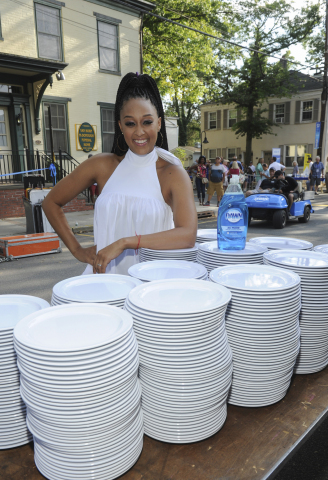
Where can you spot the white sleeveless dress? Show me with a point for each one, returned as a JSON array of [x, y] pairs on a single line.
[[131, 203]]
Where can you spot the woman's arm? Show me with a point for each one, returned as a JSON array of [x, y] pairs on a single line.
[[90, 171], [178, 193]]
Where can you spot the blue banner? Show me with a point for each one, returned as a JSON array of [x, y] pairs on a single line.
[[276, 153], [19, 173], [317, 135]]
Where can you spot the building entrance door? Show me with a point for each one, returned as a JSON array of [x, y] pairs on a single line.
[[5, 145], [266, 157]]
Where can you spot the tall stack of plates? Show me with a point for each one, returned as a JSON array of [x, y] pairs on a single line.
[[166, 269], [206, 235], [262, 323], [321, 248], [185, 358], [13, 430], [78, 366], [282, 243], [104, 289], [188, 254], [312, 267], [211, 257]]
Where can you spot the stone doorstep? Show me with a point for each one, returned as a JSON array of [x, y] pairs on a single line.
[[85, 229]]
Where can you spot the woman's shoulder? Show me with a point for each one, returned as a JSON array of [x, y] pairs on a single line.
[[167, 169]]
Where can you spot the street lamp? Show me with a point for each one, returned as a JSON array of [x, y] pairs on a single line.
[[201, 142]]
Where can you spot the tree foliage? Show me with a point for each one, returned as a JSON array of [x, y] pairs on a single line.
[[180, 59], [270, 28]]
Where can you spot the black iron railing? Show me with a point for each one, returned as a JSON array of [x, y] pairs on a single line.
[[11, 164]]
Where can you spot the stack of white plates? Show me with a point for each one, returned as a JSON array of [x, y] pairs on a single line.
[[13, 430], [211, 257], [166, 269], [104, 289], [206, 235], [188, 254], [78, 366], [185, 358], [262, 323], [321, 248], [282, 243], [312, 267]]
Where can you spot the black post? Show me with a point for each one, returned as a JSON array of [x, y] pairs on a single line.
[[38, 159], [51, 135], [60, 163], [324, 91]]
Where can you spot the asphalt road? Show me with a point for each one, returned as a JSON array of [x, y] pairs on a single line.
[[37, 275]]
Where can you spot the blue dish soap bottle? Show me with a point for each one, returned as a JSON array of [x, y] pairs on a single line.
[[232, 218]]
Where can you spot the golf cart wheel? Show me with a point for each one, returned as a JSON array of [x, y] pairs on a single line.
[[307, 214], [279, 219]]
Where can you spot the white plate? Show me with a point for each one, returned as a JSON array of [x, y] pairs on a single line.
[[282, 243], [70, 328], [173, 296], [166, 269], [95, 288], [321, 248], [15, 307], [255, 278], [298, 258], [212, 249]]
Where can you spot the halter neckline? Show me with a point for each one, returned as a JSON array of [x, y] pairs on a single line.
[[152, 157]]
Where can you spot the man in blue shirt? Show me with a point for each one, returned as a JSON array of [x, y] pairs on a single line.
[[317, 170]]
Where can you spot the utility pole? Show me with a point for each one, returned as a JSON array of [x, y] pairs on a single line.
[[323, 134]]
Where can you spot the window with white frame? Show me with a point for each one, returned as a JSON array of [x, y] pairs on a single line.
[[231, 153], [212, 120], [107, 129], [295, 152], [212, 154], [232, 118], [279, 114], [307, 111], [48, 32], [108, 47]]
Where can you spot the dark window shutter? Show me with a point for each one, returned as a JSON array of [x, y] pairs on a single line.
[[238, 152], [315, 110], [310, 149], [271, 112], [206, 121], [225, 119], [281, 154], [238, 115], [218, 119], [206, 153], [218, 152], [297, 111], [287, 113]]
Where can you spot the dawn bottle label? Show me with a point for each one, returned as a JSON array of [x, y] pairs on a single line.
[[233, 222]]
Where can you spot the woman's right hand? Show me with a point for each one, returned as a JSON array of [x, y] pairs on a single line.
[[86, 255]]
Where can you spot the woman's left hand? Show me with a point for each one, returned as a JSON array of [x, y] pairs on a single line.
[[106, 255]]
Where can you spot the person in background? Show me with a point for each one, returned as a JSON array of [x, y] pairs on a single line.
[[317, 170], [250, 175], [276, 165], [216, 179], [295, 169], [234, 169], [287, 186], [239, 163], [201, 171], [259, 169]]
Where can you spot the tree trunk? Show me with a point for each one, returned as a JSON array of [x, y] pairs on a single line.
[[249, 139]]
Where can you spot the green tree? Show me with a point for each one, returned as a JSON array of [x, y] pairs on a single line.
[[249, 83], [179, 59]]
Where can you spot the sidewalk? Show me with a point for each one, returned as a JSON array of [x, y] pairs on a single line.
[[17, 225]]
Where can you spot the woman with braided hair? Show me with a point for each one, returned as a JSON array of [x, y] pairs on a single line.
[[146, 199]]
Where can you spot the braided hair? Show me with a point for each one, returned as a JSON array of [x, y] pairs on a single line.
[[137, 86]]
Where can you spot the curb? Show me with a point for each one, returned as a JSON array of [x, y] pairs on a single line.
[[85, 229]]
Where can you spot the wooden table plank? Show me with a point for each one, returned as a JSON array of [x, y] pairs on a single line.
[[250, 443]]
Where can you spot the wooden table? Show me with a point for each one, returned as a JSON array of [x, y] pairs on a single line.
[[252, 445]]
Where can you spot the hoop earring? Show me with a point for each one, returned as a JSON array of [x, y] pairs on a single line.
[[162, 139], [118, 143]]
